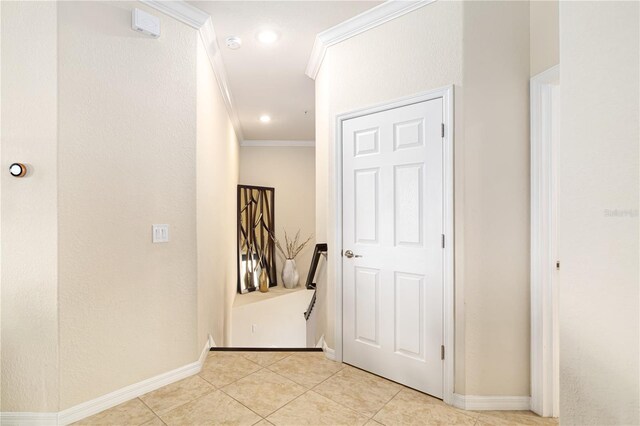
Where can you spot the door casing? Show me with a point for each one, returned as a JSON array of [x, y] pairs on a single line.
[[544, 276], [446, 93]]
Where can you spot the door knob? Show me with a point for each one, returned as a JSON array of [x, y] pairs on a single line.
[[349, 254]]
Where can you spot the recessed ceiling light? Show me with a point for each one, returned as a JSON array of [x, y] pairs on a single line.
[[267, 36], [265, 118], [234, 42]]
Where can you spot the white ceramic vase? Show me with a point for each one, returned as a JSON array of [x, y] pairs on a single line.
[[290, 274]]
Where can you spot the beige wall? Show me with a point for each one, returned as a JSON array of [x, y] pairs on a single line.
[[544, 35], [217, 178], [428, 40], [291, 171], [29, 275], [424, 50], [89, 304], [598, 166], [271, 320], [496, 197], [126, 153]]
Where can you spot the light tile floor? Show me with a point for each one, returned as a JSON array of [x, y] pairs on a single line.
[[293, 388]]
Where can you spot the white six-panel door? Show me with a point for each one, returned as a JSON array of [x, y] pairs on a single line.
[[393, 225]]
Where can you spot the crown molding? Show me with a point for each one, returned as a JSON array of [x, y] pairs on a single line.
[[365, 21], [180, 10], [208, 36], [259, 143], [201, 21]]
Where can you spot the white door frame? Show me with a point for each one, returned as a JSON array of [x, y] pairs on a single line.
[[446, 93], [544, 345]]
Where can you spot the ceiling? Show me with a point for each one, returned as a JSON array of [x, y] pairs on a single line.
[[270, 79]]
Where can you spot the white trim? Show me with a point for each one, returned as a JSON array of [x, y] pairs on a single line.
[[543, 243], [365, 21], [259, 143], [104, 402], [335, 177], [201, 21], [25, 418], [449, 254], [484, 403], [328, 352], [135, 390], [181, 11]]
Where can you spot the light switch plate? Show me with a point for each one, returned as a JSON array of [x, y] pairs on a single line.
[[160, 233]]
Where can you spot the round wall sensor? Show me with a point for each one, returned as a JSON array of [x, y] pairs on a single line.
[[18, 169], [234, 42]]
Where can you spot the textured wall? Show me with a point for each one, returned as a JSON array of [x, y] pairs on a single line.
[[29, 276], [217, 179], [544, 35], [126, 152], [277, 319], [483, 49], [291, 170], [598, 213], [496, 197], [416, 52]]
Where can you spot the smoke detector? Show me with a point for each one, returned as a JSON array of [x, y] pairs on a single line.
[[234, 42]]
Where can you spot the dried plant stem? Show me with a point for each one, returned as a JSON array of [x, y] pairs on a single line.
[[293, 247]]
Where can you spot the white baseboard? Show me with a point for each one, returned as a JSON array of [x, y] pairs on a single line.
[[24, 418], [109, 400], [483, 403], [328, 352], [135, 390]]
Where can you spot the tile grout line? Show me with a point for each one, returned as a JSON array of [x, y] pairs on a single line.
[[309, 365], [303, 393], [248, 408], [158, 415], [285, 378], [215, 388], [306, 390], [387, 403], [301, 384], [235, 381], [313, 389], [227, 384], [403, 387], [262, 368], [265, 366], [152, 412], [182, 405], [261, 416], [150, 409], [338, 402]]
